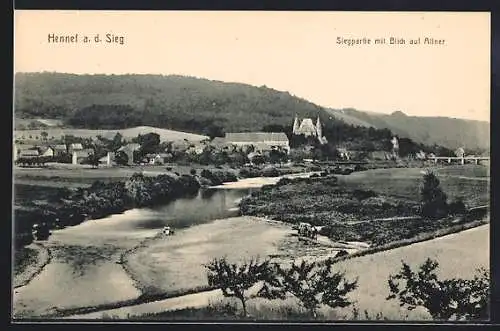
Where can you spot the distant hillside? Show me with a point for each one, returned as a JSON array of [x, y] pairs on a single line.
[[173, 102], [445, 131], [165, 135], [197, 105]]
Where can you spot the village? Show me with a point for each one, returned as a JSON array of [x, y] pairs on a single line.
[[36, 148]]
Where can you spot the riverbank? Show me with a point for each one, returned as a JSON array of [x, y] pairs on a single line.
[[28, 263]]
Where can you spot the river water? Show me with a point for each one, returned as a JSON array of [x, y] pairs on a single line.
[[85, 268]]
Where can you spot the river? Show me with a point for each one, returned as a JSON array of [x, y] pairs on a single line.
[[85, 267]]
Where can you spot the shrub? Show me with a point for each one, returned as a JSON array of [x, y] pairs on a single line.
[[193, 172], [457, 207], [433, 198], [312, 284], [444, 299], [235, 280]]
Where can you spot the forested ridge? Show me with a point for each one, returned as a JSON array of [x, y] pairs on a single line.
[[180, 103]]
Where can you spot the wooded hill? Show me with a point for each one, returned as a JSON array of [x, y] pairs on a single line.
[[179, 103]]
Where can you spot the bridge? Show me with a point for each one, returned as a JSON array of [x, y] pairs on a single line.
[[462, 160]]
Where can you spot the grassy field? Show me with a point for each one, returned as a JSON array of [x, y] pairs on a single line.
[[57, 133], [405, 182], [458, 255]]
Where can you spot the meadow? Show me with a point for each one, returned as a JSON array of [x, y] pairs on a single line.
[[58, 133], [458, 254], [471, 182]]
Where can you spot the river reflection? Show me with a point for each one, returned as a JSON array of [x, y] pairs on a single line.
[[209, 204]]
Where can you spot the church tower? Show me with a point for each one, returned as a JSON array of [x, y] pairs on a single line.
[[296, 125], [319, 129]]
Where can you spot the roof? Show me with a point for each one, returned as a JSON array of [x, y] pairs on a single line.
[[29, 152], [84, 152], [76, 146], [43, 149], [307, 125], [59, 147], [256, 137], [23, 147], [131, 147]]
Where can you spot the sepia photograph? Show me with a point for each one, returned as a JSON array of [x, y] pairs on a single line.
[[251, 166]]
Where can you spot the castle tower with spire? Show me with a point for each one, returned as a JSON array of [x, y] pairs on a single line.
[[307, 128]]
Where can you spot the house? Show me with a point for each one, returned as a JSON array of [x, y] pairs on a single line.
[[420, 155], [129, 150], [344, 154], [75, 147], [79, 156], [59, 149], [181, 145], [196, 148], [46, 151], [28, 153], [15, 152], [261, 141], [158, 158], [107, 160], [380, 155]]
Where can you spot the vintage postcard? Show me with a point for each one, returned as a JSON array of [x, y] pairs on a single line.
[[251, 166]]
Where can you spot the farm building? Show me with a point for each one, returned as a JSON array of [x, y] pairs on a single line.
[[78, 156], [29, 153], [59, 149], [46, 151], [261, 141], [158, 159], [129, 150], [75, 147]]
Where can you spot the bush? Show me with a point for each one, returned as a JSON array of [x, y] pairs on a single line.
[[457, 207], [235, 280], [193, 172], [444, 299], [434, 203], [312, 284]]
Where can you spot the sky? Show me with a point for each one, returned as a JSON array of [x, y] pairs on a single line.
[[288, 51]]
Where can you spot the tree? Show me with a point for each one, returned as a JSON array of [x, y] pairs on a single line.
[[312, 284], [117, 142], [235, 280], [149, 142], [121, 158], [433, 198], [444, 299], [214, 130], [93, 160], [44, 135]]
